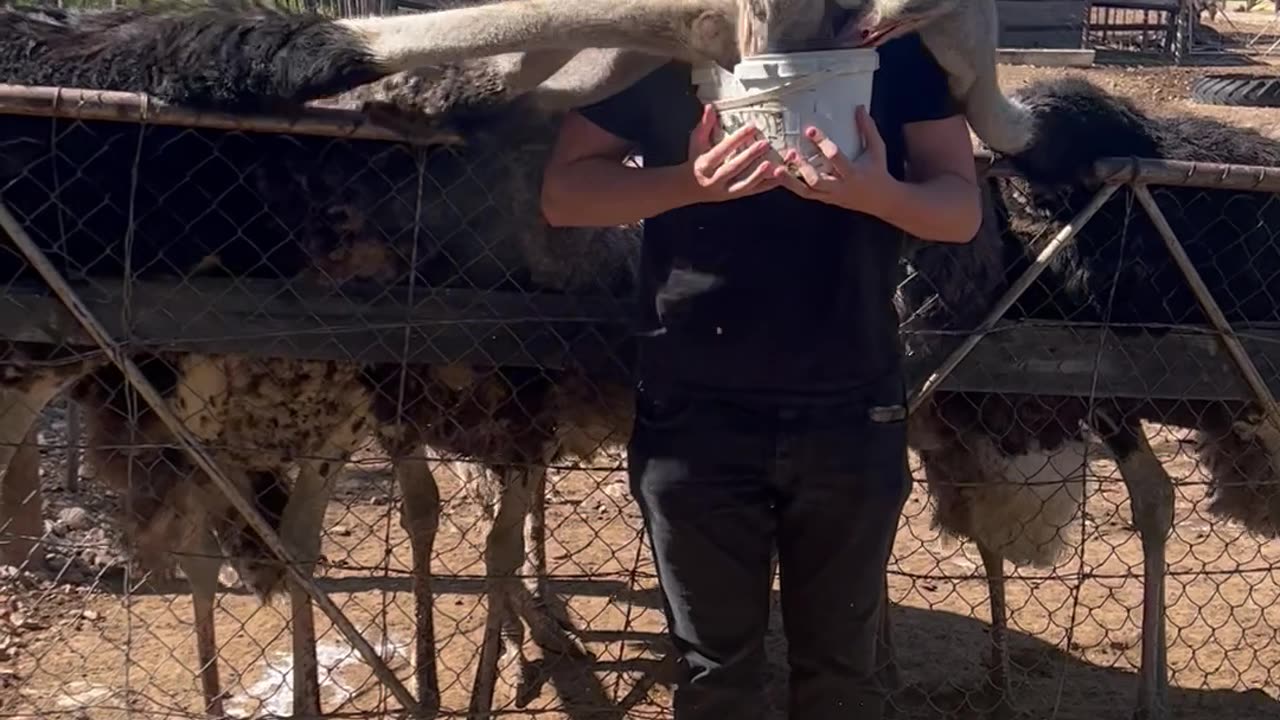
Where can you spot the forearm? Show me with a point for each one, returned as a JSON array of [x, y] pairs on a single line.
[[946, 208], [598, 192]]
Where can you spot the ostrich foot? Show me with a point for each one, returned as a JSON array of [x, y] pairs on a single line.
[[549, 629]]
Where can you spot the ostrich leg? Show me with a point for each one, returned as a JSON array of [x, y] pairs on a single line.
[[167, 514], [300, 528], [998, 681], [201, 564], [420, 518], [504, 553], [23, 397], [535, 542], [21, 503], [1151, 498], [301, 524], [549, 630], [306, 668], [20, 406]]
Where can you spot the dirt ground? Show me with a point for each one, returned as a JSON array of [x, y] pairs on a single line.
[[74, 642], [87, 648], [1161, 90]]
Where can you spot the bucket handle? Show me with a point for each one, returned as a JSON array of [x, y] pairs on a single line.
[[773, 94]]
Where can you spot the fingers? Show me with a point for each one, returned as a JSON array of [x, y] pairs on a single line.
[[807, 171], [762, 175], [784, 178], [740, 162], [829, 149], [813, 182], [825, 145], [716, 155], [700, 139]]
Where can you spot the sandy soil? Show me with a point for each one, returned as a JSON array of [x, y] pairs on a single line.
[[74, 641], [1076, 638]]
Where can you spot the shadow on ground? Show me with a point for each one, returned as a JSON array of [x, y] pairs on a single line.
[[940, 654], [941, 658]]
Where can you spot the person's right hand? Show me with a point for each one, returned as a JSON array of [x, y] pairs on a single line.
[[720, 177]]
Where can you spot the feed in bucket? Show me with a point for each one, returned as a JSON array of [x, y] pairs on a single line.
[[783, 93]]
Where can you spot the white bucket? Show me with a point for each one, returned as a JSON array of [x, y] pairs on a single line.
[[782, 94]]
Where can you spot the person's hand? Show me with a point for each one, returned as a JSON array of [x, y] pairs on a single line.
[[861, 184], [720, 177]]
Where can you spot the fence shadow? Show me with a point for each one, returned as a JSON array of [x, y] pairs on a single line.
[[941, 656]]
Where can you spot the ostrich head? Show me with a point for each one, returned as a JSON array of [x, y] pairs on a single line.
[[1077, 124], [870, 23], [789, 25], [352, 214]]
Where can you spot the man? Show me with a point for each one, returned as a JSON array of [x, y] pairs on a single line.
[[770, 404]]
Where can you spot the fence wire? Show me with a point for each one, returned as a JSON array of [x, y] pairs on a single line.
[[315, 311]]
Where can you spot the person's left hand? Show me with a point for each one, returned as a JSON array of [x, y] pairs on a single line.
[[861, 184]]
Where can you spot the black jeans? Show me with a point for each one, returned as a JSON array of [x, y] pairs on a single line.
[[720, 484]]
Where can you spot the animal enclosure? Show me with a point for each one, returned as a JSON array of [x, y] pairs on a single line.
[[322, 239], [1042, 23], [1144, 26]]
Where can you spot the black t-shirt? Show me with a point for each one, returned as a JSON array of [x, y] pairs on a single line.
[[770, 294]]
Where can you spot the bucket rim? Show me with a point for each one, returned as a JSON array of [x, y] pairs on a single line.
[[841, 60], [864, 52]]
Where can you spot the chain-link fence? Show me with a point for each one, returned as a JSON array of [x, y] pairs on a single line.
[[292, 308]]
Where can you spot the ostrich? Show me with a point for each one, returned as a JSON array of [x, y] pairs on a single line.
[[20, 504], [307, 222], [261, 415], [1007, 471], [962, 36], [326, 56], [241, 57], [511, 422], [23, 396]]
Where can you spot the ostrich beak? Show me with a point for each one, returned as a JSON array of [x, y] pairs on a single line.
[[872, 30]]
